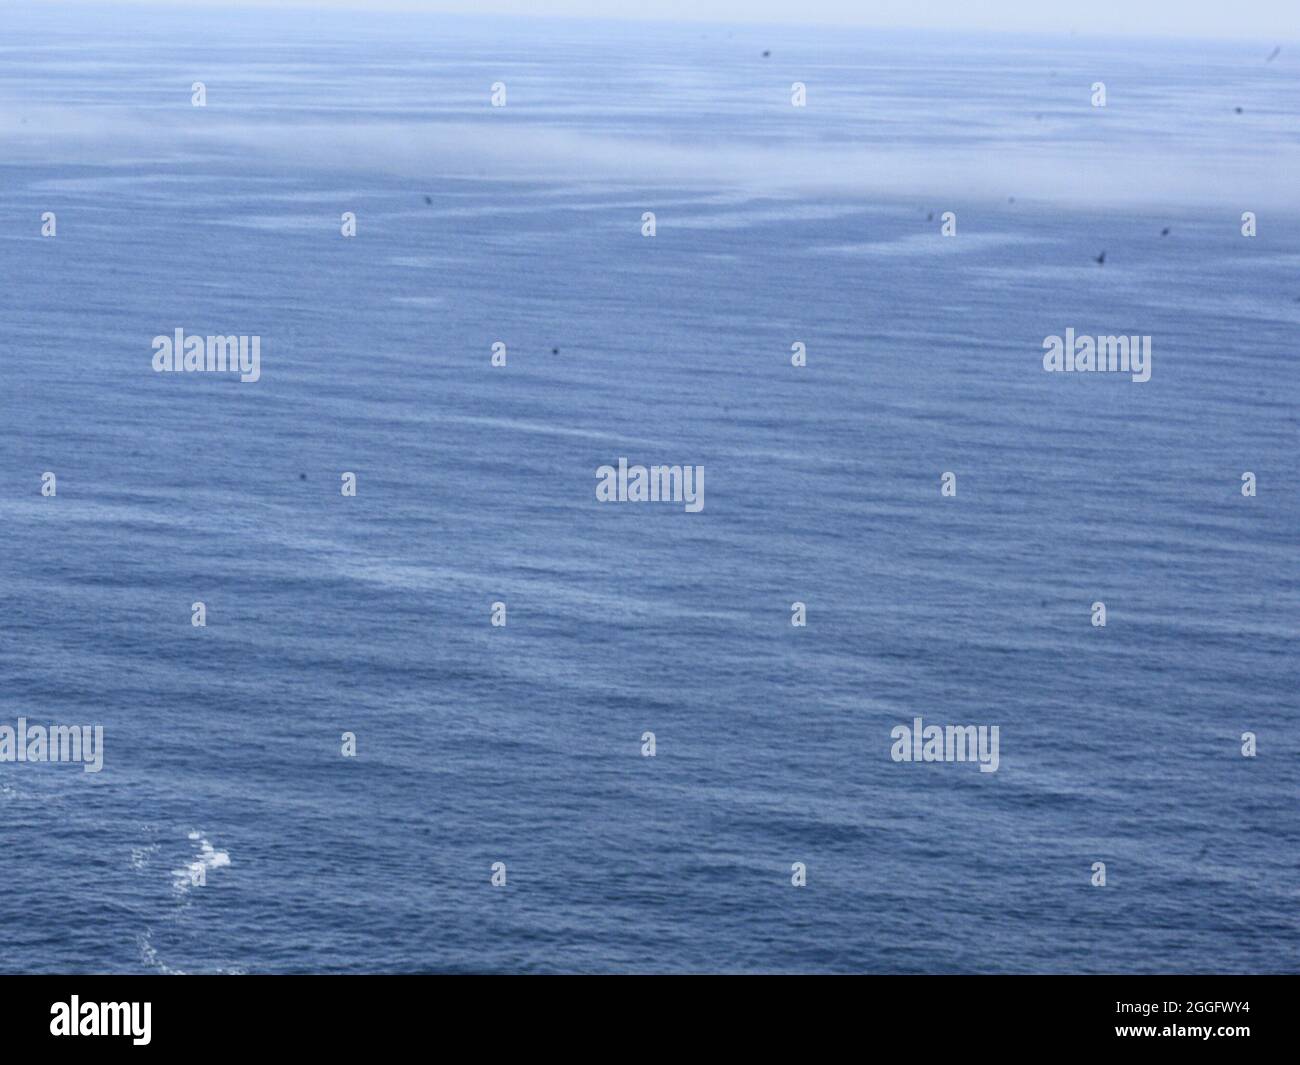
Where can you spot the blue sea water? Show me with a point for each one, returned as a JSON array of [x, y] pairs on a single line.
[[476, 484]]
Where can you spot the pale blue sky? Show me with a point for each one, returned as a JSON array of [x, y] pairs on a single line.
[[1264, 19]]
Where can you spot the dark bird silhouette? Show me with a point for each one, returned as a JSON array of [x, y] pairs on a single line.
[[302, 476], [1100, 259], [1274, 55], [555, 351], [1165, 232], [428, 199], [766, 54], [1238, 110]]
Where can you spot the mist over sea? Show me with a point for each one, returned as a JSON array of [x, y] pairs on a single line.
[[522, 744]]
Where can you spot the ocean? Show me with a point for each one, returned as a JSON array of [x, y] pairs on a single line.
[[227, 832]]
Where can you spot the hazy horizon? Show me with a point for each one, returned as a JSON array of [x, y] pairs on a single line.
[[847, 144], [1265, 20]]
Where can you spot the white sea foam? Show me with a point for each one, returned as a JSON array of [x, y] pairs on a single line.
[[1184, 174], [206, 858], [149, 955]]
